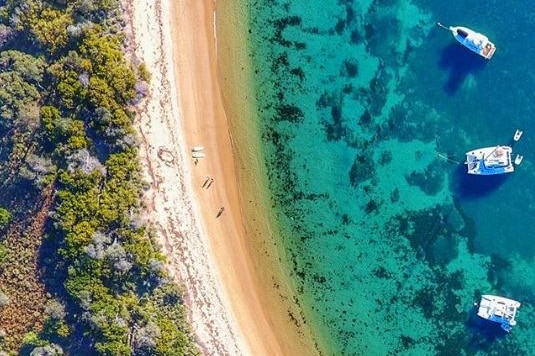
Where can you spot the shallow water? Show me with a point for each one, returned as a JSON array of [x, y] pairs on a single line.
[[366, 111]]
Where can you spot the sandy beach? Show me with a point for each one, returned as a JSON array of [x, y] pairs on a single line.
[[194, 205]]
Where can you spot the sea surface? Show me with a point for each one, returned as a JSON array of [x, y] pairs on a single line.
[[366, 111]]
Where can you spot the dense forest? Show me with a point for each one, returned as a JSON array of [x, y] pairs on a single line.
[[80, 273]]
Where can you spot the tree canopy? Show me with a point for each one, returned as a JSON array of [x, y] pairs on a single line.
[[68, 152]]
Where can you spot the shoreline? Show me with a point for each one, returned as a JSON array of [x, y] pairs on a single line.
[[237, 75], [172, 211], [231, 302]]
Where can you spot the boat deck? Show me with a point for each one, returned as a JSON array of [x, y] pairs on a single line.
[[498, 158], [490, 160], [488, 50], [498, 309]]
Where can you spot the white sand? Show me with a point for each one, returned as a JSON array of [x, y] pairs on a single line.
[[171, 200], [232, 303]]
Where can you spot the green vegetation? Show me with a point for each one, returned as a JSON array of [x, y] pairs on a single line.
[[5, 218], [78, 273]]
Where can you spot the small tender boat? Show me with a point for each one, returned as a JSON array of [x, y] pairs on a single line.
[[518, 159], [518, 134], [490, 160], [474, 41], [499, 310], [197, 148]]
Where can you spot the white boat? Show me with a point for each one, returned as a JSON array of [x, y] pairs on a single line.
[[499, 310], [490, 160], [197, 149], [474, 41], [518, 134], [518, 159]]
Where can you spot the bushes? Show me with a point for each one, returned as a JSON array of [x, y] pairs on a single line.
[[66, 104], [5, 218]]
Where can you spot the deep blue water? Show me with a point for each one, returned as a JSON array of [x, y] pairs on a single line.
[[389, 243]]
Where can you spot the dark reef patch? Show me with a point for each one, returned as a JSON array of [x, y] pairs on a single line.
[[430, 181], [381, 272], [334, 127], [299, 73], [351, 68], [280, 24], [365, 119], [498, 267], [375, 96], [340, 27], [291, 113], [410, 121], [369, 31], [371, 206], [394, 195], [428, 233], [356, 37], [362, 169], [425, 298], [386, 158], [281, 62]]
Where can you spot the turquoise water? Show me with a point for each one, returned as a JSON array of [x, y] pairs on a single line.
[[390, 244]]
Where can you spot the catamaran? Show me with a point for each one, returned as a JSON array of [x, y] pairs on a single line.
[[490, 160], [474, 41], [499, 310]]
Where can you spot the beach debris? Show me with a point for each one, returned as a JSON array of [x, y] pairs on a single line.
[[220, 212], [208, 178], [197, 149], [517, 135], [198, 155], [165, 155]]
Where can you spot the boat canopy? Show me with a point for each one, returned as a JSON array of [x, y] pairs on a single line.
[[462, 33]]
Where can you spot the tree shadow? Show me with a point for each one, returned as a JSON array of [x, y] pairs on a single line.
[[469, 186], [460, 62]]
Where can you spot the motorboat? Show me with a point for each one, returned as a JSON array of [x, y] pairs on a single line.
[[474, 41], [490, 160], [517, 135], [499, 310], [518, 159]]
